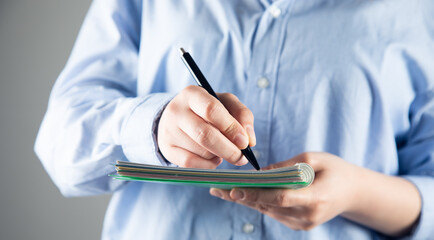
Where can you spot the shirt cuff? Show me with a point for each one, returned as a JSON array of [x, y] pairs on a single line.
[[424, 228], [138, 138]]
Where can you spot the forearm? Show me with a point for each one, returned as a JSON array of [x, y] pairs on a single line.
[[79, 143], [390, 205]]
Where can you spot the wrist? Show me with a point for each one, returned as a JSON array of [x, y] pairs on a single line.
[[355, 191], [388, 204]]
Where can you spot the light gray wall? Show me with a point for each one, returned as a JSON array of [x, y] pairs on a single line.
[[36, 37]]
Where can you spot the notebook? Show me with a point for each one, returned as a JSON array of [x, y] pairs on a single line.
[[294, 177]]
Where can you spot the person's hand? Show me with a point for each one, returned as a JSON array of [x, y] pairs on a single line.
[[328, 196], [197, 131], [388, 204]]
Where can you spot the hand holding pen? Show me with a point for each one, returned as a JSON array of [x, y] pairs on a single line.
[[197, 130]]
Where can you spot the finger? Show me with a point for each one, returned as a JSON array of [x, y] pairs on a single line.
[[213, 111], [274, 197], [240, 112], [296, 218], [210, 138], [173, 136], [185, 158], [221, 193], [234, 195], [291, 217], [289, 221], [311, 158], [296, 212], [300, 213], [182, 140]]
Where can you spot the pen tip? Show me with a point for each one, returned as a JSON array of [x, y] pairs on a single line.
[[251, 158], [182, 51]]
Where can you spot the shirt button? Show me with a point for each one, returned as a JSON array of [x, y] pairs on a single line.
[[257, 154], [275, 11], [263, 82], [248, 228]]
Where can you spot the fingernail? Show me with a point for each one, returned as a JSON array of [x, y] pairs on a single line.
[[243, 161], [251, 132], [216, 193], [237, 194], [241, 141]]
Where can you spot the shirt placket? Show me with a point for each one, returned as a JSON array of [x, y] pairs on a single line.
[[259, 97]]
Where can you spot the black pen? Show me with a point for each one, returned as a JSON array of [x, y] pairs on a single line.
[[202, 82]]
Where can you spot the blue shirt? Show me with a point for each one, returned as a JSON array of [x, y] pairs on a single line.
[[353, 78]]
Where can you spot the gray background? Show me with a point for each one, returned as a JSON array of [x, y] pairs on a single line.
[[36, 37]]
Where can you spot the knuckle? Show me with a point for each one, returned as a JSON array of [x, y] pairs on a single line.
[[215, 161], [203, 136], [234, 156], [306, 157], [244, 114], [297, 228], [188, 161], [211, 108], [231, 129], [280, 199], [310, 201], [206, 154], [315, 212], [312, 216], [316, 201], [189, 90], [263, 207], [306, 226], [321, 199], [171, 108], [230, 96], [252, 196]]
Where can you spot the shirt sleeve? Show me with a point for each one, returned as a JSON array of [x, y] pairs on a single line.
[[417, 159], [416, 156], [94, 115]]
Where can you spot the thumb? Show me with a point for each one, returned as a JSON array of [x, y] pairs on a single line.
[[315, 159]]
